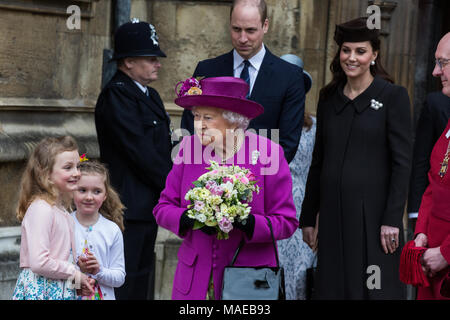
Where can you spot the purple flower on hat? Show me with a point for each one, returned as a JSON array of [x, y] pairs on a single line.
[[190, 86]]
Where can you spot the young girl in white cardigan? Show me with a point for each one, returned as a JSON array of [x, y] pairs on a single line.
[[98, 230]]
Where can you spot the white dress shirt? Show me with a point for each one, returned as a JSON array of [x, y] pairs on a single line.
[[143, 88], [253, 69]]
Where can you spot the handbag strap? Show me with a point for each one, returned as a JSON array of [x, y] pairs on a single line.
[[241, 244]]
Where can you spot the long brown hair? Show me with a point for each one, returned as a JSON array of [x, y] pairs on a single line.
[[339, 77], [112, 208], [35, 181]]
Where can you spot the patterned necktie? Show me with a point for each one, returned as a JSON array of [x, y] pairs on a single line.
[[245, 75]]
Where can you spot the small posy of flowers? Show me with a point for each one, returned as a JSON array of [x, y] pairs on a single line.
[[189, 87], [221, 196]]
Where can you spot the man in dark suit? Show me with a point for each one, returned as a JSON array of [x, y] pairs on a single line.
[[432, 122], [134, 138], [276, 84]]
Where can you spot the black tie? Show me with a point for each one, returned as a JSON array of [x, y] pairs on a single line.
[[245, 75]]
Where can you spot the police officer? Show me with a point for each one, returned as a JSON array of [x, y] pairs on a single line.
[[133, 132]]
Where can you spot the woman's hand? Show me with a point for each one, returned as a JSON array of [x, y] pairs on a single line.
[[389, 238], [421, 240], [310, 237]]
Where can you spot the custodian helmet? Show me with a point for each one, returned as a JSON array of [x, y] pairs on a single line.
[[136, 39]]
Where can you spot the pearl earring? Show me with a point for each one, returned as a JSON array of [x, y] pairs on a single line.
[[372, 63]]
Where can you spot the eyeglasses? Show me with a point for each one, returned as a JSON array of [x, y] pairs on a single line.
[[442, 63]]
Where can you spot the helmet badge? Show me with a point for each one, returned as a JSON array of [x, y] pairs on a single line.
[[153, 36]]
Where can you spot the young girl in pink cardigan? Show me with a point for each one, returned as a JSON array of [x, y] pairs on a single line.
[[48, 270]]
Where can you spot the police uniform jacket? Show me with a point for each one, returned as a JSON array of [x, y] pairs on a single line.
[[133, 132]]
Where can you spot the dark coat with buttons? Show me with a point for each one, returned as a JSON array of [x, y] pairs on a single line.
[[432, 122], [358, 181], [134, 137]]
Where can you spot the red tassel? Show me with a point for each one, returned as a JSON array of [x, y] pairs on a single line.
[[410, 265]]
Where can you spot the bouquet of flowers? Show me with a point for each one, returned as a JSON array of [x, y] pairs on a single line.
[[221, 196]]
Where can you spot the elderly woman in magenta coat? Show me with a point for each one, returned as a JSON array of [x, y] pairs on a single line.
[[221, 115]]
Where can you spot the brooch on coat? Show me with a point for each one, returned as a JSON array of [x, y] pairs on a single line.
[[374, 104]]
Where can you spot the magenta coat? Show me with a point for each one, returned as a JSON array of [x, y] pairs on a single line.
[[200, 253]]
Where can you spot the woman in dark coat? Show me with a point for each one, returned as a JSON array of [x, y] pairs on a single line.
[[359, 173]]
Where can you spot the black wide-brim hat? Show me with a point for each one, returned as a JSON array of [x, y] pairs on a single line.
[[136, 39], [355, 31]]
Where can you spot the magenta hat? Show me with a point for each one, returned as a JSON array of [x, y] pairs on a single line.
[[226, 93]]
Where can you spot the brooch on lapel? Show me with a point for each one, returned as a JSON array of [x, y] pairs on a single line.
[[374, 104], [255, 156]]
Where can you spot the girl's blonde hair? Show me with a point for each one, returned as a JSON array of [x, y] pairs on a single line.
[[35, 181], [112, 208]]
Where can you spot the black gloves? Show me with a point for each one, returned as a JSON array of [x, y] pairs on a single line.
[[247, 225], [209, 230], [187, 223]]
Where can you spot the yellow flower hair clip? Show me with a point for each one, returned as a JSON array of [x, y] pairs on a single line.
[[83, 157]]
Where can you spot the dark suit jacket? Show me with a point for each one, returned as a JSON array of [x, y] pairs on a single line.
[[279, 88], [432, 121], [134, 137]]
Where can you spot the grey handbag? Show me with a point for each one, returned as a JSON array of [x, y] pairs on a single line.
[[253, 283]]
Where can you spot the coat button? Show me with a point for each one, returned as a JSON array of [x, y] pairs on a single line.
[[214, 266], [154, 122]]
